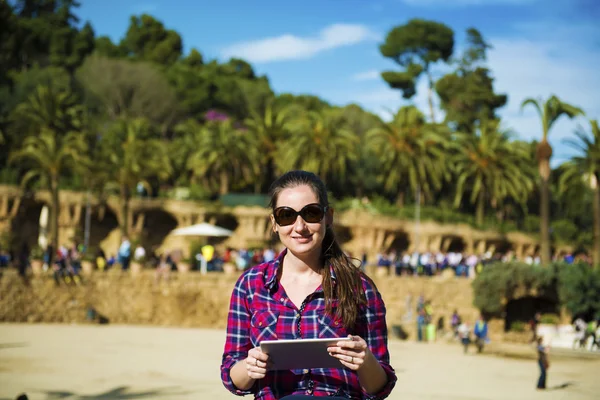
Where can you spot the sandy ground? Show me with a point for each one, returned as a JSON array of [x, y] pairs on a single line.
[[126, 362]]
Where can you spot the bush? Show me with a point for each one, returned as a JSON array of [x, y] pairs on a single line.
[[36, 253], [574, 286], [499, 282], [518, 326], [579, 290], [564, 231], [551, 319]]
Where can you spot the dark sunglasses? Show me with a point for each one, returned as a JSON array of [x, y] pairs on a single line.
[[311, 213]]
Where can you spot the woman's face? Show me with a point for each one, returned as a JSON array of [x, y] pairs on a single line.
[[301, 237]]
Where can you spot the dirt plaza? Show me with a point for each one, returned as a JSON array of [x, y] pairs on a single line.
[[138, 362]]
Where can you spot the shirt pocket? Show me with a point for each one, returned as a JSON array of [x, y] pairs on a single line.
[[264, 326], [330, 326]]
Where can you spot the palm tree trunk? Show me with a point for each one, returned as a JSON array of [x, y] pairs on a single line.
[[430, 98], [479, 213], [55, 211], [400, 199], [596, 249], [544, 167], [224, 184], [124, 222]]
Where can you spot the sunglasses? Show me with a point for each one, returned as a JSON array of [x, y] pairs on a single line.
[[311, 213]]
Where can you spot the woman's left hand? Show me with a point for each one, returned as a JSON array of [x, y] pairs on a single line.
[[351, 353]]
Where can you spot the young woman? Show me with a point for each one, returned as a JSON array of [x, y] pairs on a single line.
[[311, 290], [542, 363]]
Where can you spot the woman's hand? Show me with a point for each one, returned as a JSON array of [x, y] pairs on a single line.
[[256, 363], [351, 353]]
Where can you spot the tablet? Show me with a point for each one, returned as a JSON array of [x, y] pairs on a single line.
[[301, 353]]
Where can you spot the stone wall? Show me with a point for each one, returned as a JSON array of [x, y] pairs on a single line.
[[191, 299]]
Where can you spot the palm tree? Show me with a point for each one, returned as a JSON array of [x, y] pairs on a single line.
[[320, 144], [411, 152], [224, 155], [549, 112], [270, 127], [586, 167], [55, 145], [132, 155], [491, 168]]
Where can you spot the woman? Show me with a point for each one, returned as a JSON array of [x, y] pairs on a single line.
[[311, 290]]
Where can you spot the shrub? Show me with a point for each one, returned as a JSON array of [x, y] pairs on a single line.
[[551, 319], [518, 326], [579, 289]]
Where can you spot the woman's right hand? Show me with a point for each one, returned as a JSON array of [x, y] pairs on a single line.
[[256, 363]]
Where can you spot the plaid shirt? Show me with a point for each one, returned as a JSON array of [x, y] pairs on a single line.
[[260, 310]]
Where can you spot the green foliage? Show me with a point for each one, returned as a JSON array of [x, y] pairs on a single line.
[[551, 319], [564, 231], [36, 253], [574, 286], [518, 326], [501, 282], [148, 40], [580, 290]]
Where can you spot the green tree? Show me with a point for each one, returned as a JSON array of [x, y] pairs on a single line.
[[148, 40], [54, 146], [129, 90], [549, 112], [319, 144], [491, 168], [270, 126], [467, 94], [225, 156], [131, 154], [415, 47], [411, 153], [585, 167]]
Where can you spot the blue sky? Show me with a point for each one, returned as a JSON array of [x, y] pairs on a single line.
[[329, 48]]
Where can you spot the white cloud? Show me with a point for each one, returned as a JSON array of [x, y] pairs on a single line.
[[461, 3], [367, 75], [291, 47]]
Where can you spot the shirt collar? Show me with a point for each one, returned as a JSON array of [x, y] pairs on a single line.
[[273, 269]]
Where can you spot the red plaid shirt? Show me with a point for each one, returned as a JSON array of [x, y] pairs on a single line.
[[260, 310]]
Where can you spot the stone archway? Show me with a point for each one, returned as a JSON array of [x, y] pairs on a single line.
[[400, 243], [523, 309], [453, 244], [158, 223], [25, 226]]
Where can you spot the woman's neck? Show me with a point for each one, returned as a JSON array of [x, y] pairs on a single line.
[[303, 266]]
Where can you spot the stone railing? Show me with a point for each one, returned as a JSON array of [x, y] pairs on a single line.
[[191, 299]]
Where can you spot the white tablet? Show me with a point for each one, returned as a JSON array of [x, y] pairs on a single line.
[[301, 353]]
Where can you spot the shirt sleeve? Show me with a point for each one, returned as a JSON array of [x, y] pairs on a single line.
[[237, 343], [377, 339]]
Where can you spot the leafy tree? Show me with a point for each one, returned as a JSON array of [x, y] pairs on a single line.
[[131, 154], [467, 94], [148, 40], [415, 47], [319, 144], [104, 47], [549, 112], [126, 89], [224, 156], [194, 59], [491, 168], [411, 153], [270, 126], [585, 168], [54, 146], [579, 290]]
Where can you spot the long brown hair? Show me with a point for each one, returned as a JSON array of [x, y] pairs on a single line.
[[348, 289]]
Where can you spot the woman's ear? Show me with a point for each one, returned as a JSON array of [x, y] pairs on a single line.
[[329, 217], [273, 223]]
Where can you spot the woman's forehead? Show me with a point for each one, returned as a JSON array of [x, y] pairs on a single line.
[[296, 197]]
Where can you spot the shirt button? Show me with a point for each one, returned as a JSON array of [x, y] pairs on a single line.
[[305, 371], [309, 391], [260, 324], [282, 300]]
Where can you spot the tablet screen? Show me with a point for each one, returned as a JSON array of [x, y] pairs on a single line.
[[301, 353]]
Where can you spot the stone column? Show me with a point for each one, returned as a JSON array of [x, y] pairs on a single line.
[[69, 219], [435, 244]]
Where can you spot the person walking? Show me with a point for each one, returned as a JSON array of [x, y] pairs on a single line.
[[543, 363]]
